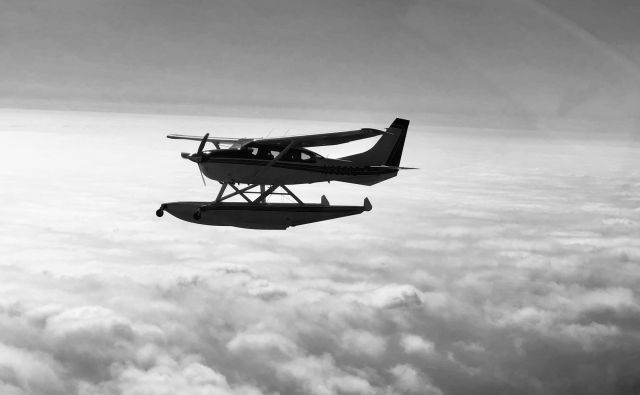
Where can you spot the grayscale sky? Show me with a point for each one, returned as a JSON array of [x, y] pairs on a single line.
[[533, 64]]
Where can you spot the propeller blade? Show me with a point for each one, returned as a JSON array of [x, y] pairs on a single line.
[[202, 143], [202, 175]]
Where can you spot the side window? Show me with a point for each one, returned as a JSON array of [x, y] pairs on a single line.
[[264, 153], [305, 157], [293, 155]]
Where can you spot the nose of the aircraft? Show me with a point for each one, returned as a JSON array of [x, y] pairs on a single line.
[[197, 158]]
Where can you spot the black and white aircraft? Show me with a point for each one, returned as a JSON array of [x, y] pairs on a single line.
[[272, 163]]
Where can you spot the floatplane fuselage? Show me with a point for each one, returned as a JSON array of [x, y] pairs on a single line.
[[273, 163], [252, 165]]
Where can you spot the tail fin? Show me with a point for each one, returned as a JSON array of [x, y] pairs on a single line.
[[388, 150]]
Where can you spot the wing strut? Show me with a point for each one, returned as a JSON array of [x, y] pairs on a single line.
[[274, 160]]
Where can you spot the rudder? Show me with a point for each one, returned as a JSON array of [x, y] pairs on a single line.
[[401, 125], [388, 149]]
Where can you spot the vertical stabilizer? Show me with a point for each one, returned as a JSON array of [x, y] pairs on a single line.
[[388, 149]]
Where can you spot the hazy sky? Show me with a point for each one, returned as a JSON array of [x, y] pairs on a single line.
[[527, 63]]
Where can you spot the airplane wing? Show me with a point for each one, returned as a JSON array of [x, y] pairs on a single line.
[[309, 140], [234, 142], [221, 140], [317, 140]]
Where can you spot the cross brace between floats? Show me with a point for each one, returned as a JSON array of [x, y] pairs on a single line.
[[265, 191]]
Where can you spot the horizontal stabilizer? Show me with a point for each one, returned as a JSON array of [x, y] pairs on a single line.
[[395, 167]]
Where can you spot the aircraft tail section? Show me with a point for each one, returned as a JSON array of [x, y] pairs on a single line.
[[388, 149]]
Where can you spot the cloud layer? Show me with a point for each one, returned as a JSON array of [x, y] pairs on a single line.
[[504, 265]]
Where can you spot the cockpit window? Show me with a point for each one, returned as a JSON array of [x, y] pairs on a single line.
[[261, 152], [298, 155], [293, 155], [230, 153], [265, 152]]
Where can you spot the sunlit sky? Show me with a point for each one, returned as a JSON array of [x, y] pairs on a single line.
[[534, 64]]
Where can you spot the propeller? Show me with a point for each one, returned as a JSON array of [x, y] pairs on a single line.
[[202, 175], [198, 156], [200, 148], [202, 143]]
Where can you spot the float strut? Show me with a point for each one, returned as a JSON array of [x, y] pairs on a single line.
[[266, 193], [222, 188], [292, 194]]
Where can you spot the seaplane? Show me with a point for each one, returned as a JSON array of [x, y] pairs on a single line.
[[267, 166]]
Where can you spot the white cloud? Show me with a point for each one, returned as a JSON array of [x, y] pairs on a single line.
[[409, 380], [320, 376], [266, 290], [29, 372], [414, 344], [187, 377], [395, 296], [589, 335], [496, 273], [365, 343], [90, 321], [614, 298], [255, 343]]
